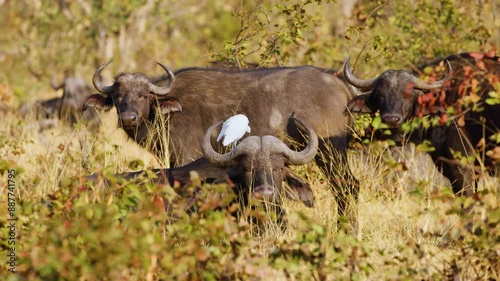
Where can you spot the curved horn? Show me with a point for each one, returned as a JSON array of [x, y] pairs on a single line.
[[295, 157], [161, 91], [360, 83], [55, 86], [208, 151], [96, 80], [436, 85], [249, 145]]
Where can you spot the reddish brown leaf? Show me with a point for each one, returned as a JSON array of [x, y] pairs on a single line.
[[478, 56], [474, 83], [461, 121], [468, 70], [480, 65], [481, 143], [67, 224], [159, 203], [443, 119], [494, 153], [442, 97], [68, 205], [408, 92], [202, 254]]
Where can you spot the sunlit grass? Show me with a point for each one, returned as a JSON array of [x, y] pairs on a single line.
[[406, 226]]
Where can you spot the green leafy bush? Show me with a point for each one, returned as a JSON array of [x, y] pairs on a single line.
[[68, 229]]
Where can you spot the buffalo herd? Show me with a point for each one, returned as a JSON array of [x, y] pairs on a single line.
[[190, 100], [299, 114]]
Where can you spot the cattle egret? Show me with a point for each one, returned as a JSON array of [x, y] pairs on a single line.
[[233, 129]]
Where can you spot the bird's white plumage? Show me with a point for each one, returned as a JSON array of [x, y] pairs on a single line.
[[233, 129]]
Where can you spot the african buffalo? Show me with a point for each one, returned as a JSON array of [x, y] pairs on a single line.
[[175, 176], [44, 111], [194, 98], [67, 108], [75, 93], [259, 164], [399, 96], [256, 167]]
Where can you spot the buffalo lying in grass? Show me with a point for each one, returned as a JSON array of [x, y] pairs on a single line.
[[256, 168], [68, 108]]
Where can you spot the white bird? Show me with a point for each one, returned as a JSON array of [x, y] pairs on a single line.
[[233, 129]]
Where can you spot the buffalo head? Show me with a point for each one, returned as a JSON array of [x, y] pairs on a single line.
[[258, 164], [135, 96], [394, 93], [75, 93]]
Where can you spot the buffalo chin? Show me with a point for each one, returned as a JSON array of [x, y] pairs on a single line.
[[397, 136]]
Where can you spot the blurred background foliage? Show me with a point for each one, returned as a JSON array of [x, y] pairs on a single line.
[[42, 39]]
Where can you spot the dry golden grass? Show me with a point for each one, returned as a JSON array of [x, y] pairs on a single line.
[[392, 220], [397, 225], [51, 156]]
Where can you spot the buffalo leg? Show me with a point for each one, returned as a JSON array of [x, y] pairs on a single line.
[[332, 159], [461, 176]]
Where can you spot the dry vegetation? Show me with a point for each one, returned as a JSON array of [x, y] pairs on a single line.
[[411, 225]]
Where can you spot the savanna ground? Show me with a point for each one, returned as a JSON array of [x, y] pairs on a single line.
[[411, 225]]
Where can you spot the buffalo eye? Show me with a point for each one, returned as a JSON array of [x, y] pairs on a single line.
[[117, 99], [381, 99]]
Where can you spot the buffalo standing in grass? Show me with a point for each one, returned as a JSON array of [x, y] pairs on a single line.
[[194, 98], [399, 96]]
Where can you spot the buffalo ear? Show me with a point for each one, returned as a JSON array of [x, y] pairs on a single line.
[[98, 101], [298, 189], [170, 105], [359, 104]]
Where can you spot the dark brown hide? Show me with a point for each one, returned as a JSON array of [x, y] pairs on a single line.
[[396, 97], [258, 165], [208, 173], [179, 178], [179, 175]]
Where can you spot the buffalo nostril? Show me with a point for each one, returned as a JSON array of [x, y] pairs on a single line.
[[264, 193], [129, 119], [392, 120]]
